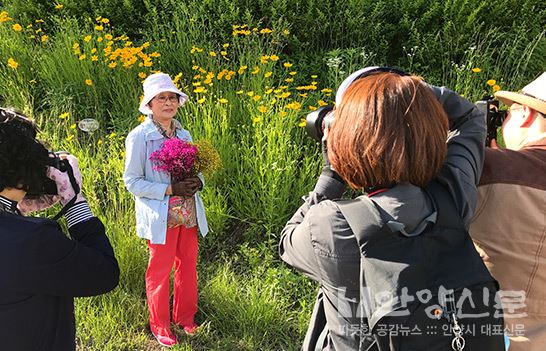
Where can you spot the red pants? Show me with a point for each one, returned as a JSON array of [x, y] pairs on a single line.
[[180, 248]]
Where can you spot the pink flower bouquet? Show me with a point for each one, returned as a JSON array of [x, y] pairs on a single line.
[[183, 159]]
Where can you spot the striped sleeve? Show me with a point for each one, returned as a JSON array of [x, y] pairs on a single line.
[[78, 213]]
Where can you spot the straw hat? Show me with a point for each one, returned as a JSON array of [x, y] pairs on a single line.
[[533, 95], [155, 84]]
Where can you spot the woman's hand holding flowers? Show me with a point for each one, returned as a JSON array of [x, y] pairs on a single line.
[[187, 187]]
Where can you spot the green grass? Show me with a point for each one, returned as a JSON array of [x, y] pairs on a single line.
[[249, 300]]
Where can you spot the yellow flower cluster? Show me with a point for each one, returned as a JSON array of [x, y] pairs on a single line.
[[208, 160], [244, 30], [116, 51], [4, 17]]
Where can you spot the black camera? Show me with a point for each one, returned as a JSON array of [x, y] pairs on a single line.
[[319, 120], [49, 187], [494, 117]]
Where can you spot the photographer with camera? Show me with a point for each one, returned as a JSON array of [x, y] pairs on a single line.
[[396, 266], [509, 226], [41, 269]]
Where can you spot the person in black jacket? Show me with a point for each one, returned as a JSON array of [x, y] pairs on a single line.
[[41, 269], [396, 266]]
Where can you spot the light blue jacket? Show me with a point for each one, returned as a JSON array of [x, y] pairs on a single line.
[[149, 186]]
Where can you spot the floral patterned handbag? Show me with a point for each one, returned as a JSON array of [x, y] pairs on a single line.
[[182, 212]]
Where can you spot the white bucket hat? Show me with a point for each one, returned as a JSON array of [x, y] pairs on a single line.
[[533, 95], [155, 84]]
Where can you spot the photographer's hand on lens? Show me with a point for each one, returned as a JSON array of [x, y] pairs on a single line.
[[62, 180], [187, 187]]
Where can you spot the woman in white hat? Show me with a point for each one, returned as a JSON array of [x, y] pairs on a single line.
[[170, 240]]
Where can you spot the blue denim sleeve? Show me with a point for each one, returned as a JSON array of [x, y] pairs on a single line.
[[135, 165]]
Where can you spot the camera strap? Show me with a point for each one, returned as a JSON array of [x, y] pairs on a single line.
[[76, 188]]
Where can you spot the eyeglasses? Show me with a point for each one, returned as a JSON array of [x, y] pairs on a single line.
[[163, 99]]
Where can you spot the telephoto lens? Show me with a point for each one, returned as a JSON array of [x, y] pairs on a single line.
[[318, 120]]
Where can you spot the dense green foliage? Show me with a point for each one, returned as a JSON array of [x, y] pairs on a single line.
[[253, 69]]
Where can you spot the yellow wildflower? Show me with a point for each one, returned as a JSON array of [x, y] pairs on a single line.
[[256, 70], [326, 90], [265, 31], [32, 81], [99, 28], [223, 101], [262, 109], [274, 58], [73, 126], [312, 108], [223, 53], [491, 82], [285, 32], [105, 20], [239, 92], [93, 50], [99, 143], [283, 113], [287, 64], [12, 63], [256, 97], [322, 103], [268, 74], [264, 59], [17, 27], [256, 119], [268, 91], [89, 82], [195, 49], [141, 75], [76, 46], [58, 6], [98, 18], [82, 57], [476, 70], [112, 64], [110, 37], [496, 88], [44, 38], [155, 54], [314, 76], [201, 101], [289, 80], [141, 118], [87, 38], [70, 137], [212, 53], [250, 93], [293, 73], [302, 123], [303, 95], [199, 90], [112, 135], [39, 30], [94, 58], [242, 69], [99, 39], [294, 106], [4, 17], [64, 115]]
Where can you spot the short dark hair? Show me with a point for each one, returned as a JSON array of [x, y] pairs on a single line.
[[23, 159], [388, 129]]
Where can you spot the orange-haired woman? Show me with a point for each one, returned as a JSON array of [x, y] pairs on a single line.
[[396, 266]]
